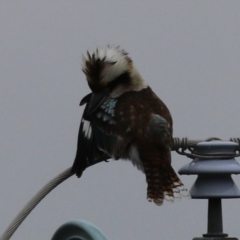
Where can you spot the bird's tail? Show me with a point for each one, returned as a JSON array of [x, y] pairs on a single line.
[[163, 183]]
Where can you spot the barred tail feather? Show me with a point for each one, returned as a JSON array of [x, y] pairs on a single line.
[[163, 184], [154, 190], [174, 188]]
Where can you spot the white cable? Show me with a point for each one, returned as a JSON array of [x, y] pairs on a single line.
[[34, 201]]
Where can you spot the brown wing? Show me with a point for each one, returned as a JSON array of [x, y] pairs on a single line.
[[132, 113], [93, 144]]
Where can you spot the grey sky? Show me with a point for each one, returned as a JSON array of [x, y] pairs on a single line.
[[189, 53]]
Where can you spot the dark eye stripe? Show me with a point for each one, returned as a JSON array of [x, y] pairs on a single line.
[[123, 79]]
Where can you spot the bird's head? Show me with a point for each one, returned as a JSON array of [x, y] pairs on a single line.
[[111, 70]]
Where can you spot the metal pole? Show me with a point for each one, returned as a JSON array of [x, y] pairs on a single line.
[[215, 223], [214, 163]]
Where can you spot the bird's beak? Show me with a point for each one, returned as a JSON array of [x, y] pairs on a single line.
[[97, 99], [86, 99]]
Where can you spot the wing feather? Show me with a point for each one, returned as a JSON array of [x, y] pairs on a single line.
[[93, 144]]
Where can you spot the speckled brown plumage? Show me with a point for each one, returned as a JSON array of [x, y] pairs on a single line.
[[125, 119]]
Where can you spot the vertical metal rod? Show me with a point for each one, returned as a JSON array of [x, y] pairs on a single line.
[[215, 223]]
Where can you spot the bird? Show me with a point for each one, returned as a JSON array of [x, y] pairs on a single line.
[[124, 119]]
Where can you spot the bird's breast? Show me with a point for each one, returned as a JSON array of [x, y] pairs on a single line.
[[133, 156]]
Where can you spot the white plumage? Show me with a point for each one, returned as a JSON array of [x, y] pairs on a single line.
[[110, 55]]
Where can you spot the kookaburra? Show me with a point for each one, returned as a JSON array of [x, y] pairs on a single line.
[[124, 119]]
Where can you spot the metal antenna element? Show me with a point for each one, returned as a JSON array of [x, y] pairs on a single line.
[[187, 147], [214, 181], [34, 201]]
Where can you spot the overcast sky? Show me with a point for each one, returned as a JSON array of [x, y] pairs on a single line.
[[188, 51]]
